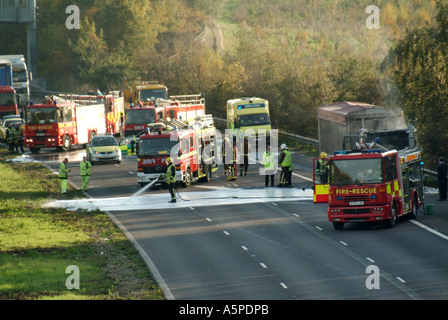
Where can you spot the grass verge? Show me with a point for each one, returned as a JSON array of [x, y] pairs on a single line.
[[37, 245]]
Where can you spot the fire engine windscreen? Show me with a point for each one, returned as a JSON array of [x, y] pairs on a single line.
[[20, 75], [7, 99], [140, 116], [153, 94], [156, 147], [356, 171], [261, 119], [48, 115]]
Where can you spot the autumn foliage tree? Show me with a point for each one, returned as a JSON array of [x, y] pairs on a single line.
[[419, 68]]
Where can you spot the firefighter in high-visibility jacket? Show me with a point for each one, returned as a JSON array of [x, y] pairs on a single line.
[[63, 175], [285, 162], [85, 173], [170, 179], [234, 165], [322, 168]]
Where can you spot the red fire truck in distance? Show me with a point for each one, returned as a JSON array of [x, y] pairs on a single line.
[[60, 124], [114, 108], [374, 185], [8, 101], [192, 148], [185, 108]]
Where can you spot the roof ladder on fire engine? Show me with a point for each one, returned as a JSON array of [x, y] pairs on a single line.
[[179, 124], [205, 121]]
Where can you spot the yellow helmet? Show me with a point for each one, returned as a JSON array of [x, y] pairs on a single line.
[[323, 155], [169, 160]]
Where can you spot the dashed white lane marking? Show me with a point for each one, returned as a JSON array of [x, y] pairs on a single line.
[[208, 219], [283, 285], [319, 228], [343, 243], [263, 265], [244, 248], [401, 280], [226, 233], [296, 215], [370, 260]]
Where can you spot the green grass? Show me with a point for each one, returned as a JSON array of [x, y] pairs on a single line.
[[38, 244]]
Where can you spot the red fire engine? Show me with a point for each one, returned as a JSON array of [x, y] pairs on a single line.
[[114, 108], [374, 185], [8, 101], [62, 124], [185, 108], [192, 148]]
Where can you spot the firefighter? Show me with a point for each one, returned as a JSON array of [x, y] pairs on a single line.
[[289, 179], [234, 165], [85, 173], [285, 163], [442, 179], [63, 175], [170, 179], [226, 147], [246, 150], [269, 166], [322, 168], [10, 138], [17, 137]]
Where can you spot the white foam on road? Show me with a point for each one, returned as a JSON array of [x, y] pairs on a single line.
[[230, 196]]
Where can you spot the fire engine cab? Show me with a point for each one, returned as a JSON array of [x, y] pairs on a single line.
[[60, 124], [192, 148], [371, 185]]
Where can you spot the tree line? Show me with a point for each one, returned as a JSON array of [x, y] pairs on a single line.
[[299, 54]]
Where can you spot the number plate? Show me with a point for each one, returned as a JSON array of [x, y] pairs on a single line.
[[356, 203]]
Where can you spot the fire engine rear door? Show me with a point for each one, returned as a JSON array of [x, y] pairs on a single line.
[[320, 180]]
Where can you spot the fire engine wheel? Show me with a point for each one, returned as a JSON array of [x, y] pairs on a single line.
[[393, 219], [188, 178], [67, 143]]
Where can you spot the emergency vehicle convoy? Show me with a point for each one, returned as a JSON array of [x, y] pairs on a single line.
[[58, 123], [185, 108], [192, 148], [372, 185]]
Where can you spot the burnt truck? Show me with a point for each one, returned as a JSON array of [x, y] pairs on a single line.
[[350, 125], [359, 129]]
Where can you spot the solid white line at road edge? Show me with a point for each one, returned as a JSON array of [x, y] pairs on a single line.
[[437, 233]]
